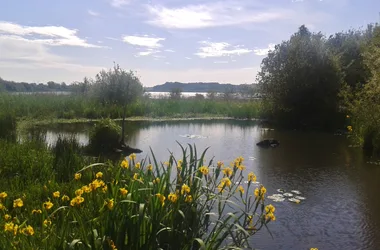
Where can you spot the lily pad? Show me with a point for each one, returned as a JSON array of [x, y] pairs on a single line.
[[288, 194], [294, 200], [300, 198], [276, 198], [280, 190], [296, 191]]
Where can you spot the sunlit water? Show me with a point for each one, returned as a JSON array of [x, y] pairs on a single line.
[[342, 206]]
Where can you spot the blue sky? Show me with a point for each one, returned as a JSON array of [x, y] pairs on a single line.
[[162, 40]]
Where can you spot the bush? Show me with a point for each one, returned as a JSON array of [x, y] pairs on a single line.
[[7, 126], [179, 204], [104, 137]]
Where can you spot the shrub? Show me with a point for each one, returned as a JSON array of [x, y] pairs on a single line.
[[104, 137]]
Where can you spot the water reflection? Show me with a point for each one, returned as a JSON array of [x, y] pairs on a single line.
[[341, 209]]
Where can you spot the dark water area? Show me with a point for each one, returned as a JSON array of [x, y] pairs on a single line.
[[342, 206]]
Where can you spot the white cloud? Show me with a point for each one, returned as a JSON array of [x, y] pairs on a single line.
[[169, 50], [144, 41], [188, 58], [119, 3], [264, 52], [222, 13], [147, 52], [92, 13], [52, 35], [210, 49], [222, 62], [37, 62]]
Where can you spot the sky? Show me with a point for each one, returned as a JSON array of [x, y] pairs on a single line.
[[160, 40]]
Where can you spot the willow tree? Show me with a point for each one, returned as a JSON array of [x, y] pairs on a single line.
[[300, 80], [117, 87]]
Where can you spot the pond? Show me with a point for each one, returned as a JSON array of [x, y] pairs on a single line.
[[342, 205]]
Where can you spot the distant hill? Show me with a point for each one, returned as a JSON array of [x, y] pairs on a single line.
[[198, 87]]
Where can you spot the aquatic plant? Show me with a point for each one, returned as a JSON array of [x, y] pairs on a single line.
[[183, 203]]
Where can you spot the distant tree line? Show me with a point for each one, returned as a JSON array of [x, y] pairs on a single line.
[[314, 81], [11, 86]]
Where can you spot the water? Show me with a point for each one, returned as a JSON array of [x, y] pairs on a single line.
[[342, 206]]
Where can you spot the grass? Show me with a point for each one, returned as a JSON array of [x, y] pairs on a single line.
[[183, 203], [69, 107]]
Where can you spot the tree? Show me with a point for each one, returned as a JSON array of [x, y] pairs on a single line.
[[119, 87], [300, 80], [364, 103], [175, 93]]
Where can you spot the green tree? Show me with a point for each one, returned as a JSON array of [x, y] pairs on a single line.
[[118, 87], [364, 103], [300, 80], [175, 93]]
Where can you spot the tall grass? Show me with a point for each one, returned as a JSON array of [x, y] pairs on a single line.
[[7, 126], [183, 203], [38, 106]]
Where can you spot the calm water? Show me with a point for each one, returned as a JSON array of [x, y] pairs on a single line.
[[342, 209]]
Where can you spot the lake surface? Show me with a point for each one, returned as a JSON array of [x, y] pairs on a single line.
[[342, 206]]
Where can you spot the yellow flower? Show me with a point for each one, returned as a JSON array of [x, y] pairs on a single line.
[[269, 208], [251, 177], [104, 189], [110, 204], [65, 198], [225, 182], [189, 199], [185, 189], [77, 201], [172, 197], [241, 189], [78, 192], [125, 164], [270, 216], [47, 222], [7, 217], [56, 194], [3, 195], [15, 229], [77, 176], [8, 227], [136, 176], [313, 248], [166, 163], [36, 211], [204, 170], [28, 230], [96, 184], [138, 165], [123, 191], [227, 171], [2, 207], [162, 198], [150, 167], [48, 205], [349, 128], [220, 164], [263, 190], [99, 175], [18, 203], [132, 157], [157, 180], [257, 192], [86, 189]]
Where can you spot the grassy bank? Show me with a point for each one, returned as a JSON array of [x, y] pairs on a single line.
[[48, 107]]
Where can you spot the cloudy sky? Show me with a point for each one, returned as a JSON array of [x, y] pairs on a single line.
[[162, 40]]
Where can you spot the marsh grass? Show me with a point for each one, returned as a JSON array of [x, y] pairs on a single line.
[[37, 106], [7, 126], [183, 203]]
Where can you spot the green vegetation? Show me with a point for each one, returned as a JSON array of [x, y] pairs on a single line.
[[179, 204]]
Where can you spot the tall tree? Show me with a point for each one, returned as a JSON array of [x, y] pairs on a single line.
[[300, 80], [117, 86]]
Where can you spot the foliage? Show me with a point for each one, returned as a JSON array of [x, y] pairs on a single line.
[[175, 93], [7, 126], [364, 103], [104, 137], [300, 80], [67, 158], [179, 204], [116, 86]]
